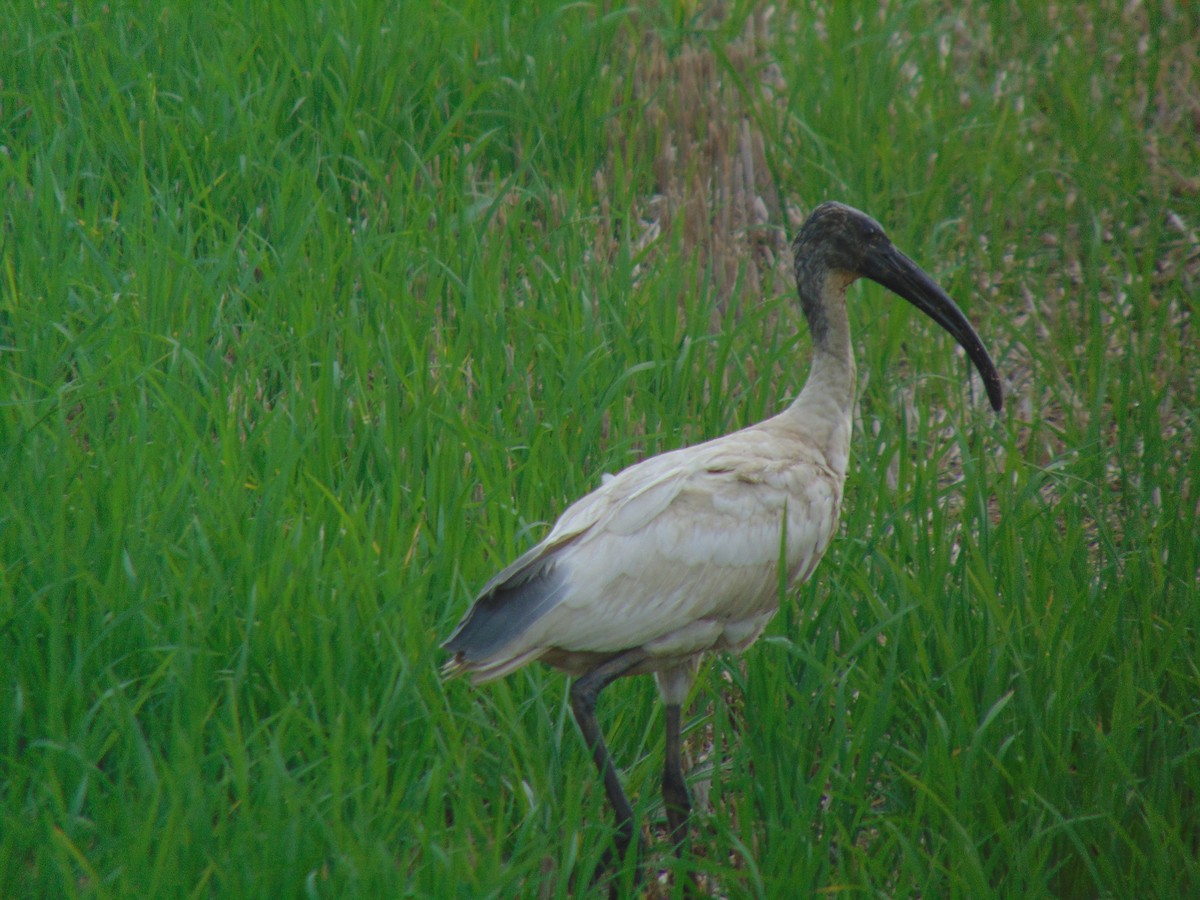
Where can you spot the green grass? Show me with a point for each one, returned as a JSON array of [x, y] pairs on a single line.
[[314, 315]]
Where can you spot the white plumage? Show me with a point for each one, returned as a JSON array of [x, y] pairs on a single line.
[[687, 538], [679, 554]]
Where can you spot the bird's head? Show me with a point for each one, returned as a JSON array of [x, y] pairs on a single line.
[[837, 244], [839, 238]]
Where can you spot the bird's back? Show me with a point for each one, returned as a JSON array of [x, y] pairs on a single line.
[[677, 554]]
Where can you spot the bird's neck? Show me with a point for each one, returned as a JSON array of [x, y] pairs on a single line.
[[824, 407]]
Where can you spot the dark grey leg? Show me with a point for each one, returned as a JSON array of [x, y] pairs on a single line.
[[584, 692], [674, 788]]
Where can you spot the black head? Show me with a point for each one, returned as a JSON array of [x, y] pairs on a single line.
[[836, 237], [837, 241]]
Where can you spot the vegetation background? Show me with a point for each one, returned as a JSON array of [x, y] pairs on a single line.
[[314, 314]]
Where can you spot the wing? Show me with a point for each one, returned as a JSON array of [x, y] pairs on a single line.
[[691, 536], [707, 549], [526, 589]]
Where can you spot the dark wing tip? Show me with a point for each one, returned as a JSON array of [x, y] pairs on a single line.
[[453, 667], [502, 614]]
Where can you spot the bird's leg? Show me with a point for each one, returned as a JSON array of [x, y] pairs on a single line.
[[584, 691], [674, 788]]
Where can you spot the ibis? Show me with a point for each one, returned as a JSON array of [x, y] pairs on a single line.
[[678, 555]]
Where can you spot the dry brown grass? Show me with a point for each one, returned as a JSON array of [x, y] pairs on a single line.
[[695, 113]]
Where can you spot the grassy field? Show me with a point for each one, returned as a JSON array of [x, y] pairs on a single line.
[[313, 315]]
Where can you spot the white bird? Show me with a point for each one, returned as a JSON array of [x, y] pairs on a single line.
[[678, 555]]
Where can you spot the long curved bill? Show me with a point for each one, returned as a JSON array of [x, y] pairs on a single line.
[[900, 275]]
